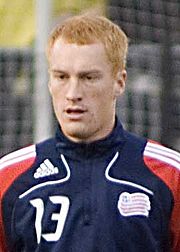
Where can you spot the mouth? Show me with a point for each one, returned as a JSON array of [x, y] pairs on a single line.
[[75, 113], [73, 110]]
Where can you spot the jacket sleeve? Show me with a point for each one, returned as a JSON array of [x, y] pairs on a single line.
[[11, 167], [175, 218], [2, 239], [2, 236], [165, 163]]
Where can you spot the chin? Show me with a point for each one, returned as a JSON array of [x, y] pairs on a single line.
[[79, 132], [77, 136]]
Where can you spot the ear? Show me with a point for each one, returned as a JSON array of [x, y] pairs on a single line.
[[120, 82]]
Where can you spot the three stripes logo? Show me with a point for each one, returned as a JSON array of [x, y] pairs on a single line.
[[45, 169], [131, 204]]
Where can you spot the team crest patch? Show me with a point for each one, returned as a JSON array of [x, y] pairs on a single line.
[[131, 204]]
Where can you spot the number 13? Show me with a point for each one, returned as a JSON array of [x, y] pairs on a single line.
[[59, 217]]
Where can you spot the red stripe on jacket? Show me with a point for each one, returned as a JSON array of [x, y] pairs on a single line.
[[170, 175], [7, 176]]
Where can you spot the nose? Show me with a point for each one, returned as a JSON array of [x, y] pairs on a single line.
[[74, 90]]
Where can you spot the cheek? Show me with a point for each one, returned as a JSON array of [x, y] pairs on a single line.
[[54, 88], [57, 99], [56, 91], [101, 98]]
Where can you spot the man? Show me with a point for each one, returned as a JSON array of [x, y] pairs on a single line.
[[94, 187]]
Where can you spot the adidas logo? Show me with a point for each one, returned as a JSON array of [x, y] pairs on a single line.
[[45, 169]]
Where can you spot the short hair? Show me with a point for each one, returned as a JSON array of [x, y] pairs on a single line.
[[87, 29]]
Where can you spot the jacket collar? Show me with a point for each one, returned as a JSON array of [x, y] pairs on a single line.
[[115, 140]]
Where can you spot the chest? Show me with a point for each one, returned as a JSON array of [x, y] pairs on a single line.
[[93, 198]]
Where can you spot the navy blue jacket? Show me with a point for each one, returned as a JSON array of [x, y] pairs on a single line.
[[118, 194]]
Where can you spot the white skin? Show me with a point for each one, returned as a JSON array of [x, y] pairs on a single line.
[[84, 90]]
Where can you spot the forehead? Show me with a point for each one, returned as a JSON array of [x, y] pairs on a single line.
[[64, 54]]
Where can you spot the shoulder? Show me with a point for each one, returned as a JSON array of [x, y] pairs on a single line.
[[15, 164], [134, 146], [164, 163], [24, 155], [155, 153]]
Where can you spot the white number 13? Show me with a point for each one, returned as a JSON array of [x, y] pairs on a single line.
[[59, 217]]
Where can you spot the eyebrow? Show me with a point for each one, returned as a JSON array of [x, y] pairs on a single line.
[[93, 71], [56, 71]]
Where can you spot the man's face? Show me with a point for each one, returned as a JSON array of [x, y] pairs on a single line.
[[83, 90]]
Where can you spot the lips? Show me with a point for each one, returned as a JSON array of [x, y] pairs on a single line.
[[75, 113], [73, 110]]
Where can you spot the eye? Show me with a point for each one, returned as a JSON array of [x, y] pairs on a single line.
[[90, 77], [61, 76]]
